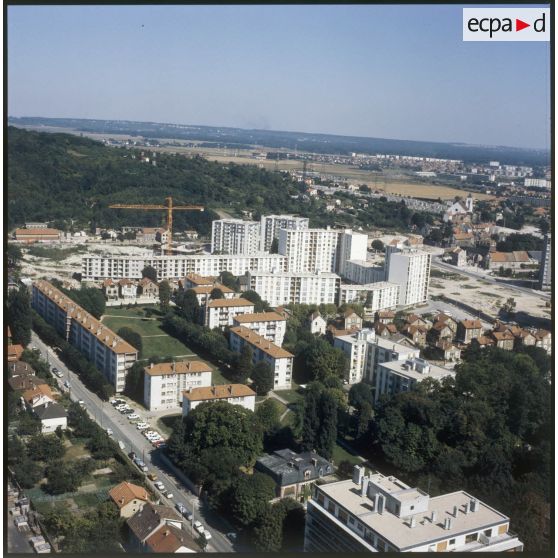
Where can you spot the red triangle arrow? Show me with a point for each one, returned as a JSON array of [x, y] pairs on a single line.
[[519, 25]]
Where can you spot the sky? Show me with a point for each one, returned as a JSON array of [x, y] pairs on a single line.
[[396, 71]]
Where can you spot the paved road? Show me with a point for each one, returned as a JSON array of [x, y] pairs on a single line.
[[488, 279], [108, 417]]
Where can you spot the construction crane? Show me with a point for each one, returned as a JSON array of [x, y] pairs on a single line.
[[169, 208]]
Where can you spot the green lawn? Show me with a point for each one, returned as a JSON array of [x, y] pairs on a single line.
[[341, 454], [290, 395]]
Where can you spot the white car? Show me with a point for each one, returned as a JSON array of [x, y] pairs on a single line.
[[199, 527], [161, 487], [206, 535], [109, 431], [169, 495], [133, 416], [142, 426]]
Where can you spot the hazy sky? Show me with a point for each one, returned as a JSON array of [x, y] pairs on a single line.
[[381, 71]]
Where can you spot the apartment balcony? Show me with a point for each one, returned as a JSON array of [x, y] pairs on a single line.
[[496, 543]]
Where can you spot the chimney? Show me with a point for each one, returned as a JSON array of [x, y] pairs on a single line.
[[413, 522], [466, 511], [447, 523], [364, 486], [474, 504], [151, 365], [433, 517], [358, 473], [454, 511], [381, 501]]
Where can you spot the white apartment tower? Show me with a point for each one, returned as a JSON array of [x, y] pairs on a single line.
[[235, 236], [352, 246], [410, 269], [271, 224]]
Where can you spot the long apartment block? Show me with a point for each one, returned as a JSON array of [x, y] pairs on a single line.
[[375, 513], [280, 360], [95, 268], [109, 353], [279, 288]]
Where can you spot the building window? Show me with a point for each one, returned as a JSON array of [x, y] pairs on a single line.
[[471, 538], [452, 541]]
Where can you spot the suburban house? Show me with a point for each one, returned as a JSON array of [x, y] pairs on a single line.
[[416, 333], [194, 280], [220, 312], [440, 331], [169, 539], [269, 325], [235, 394], [503, 339], [148, 288], [147, 520], [467, 330], [52, 415], [129, 498], [25, 383], [294, 472], [110, 289], [20, 368], [164, 383], [385, 317], [316, 323], [351, 320], [127, 288], [385, 330], [448, 320], [458, 257], [451, 352], [38, 395]]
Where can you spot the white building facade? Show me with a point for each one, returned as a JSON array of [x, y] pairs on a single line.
[[164, 383], [410, 269], [355, 347], [299, 288], [352, 246], [270, 225], [235, 236], [269, 325], [363, 272], [220, 312], [109, 353], [235, 394], [280, 360], [373, 296], [96, 268]]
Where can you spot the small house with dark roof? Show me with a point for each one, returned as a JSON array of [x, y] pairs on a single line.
[[293, 471], [52, 415], [21, 368]]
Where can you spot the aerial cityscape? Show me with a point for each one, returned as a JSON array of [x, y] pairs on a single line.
[[224, 335]]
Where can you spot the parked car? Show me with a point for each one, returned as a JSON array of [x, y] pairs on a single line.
[[169, 495], [159, 485], [132, 455], [67, 384], [206, 535], [109, 432], [133, 416], [231, 536], [181, 508], [121, 444], [152, 476], [189, 516], [199, 527], [81, 403]]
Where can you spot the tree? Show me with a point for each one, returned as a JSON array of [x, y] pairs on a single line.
[[509, 306], [268, 416], [378, 245], [216, 293], [311, 418], [544, 225], [345, 469], [359, 394], [45, 448], [188, 304], [14, 255], [132, 337], [249, 495], [263, 378], [293, 524], [134, 381], [229, 280], [243, 366], [27, 473], [150, 273], [322, 360], [61, 478], [327, 432], [19, 315], [164, 296], [365, 415], [259, 304], [267, 534]]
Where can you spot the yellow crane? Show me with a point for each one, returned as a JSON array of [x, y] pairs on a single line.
[[169, 208]]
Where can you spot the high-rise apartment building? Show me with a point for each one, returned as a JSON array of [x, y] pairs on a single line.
[[235, 236], [309, 250], [375, 513], [545, 277], [300, 288], [271, 224], [410, 269]]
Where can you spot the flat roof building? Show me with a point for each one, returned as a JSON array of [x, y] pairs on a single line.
[[375, 513]]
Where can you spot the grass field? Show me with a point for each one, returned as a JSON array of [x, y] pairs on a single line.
[[155, 341], [341, 454]]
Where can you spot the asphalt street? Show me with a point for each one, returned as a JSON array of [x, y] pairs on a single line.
[[108, 417]]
